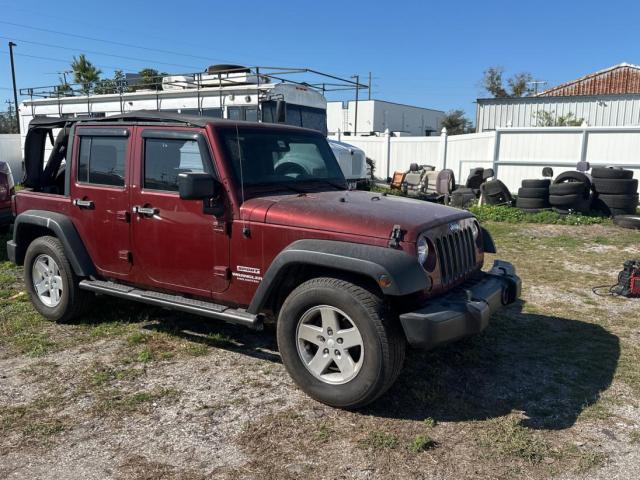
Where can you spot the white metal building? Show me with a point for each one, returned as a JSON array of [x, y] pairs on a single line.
[[606, 98], [376, 116], [616, 110]]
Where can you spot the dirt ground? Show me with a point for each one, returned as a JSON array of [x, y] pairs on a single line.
[[550, 389]]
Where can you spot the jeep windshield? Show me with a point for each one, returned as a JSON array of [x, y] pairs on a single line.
[[280, 159]]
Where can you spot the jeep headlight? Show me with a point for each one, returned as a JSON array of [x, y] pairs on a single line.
[[422, 246]]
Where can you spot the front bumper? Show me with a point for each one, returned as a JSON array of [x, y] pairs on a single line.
[[463, 311]]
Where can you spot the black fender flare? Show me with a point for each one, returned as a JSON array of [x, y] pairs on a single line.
[[403, 269], [488, 245], [62, 227]]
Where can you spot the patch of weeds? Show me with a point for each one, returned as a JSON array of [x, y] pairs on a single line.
[[501, 213], [219, 339], [422, 443], [196, 349], [510, 439], [634, 437], [45, 428], [595, 411], [115, 403], [379, 441], [145, 356], [583, 459], [323, 432], [430, 422], [137, 338]]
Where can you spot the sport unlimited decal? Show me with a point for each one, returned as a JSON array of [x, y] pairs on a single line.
[[247, 274]]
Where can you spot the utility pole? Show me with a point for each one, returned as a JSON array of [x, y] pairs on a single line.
[[369, 85], [355, 121], [15, 91]]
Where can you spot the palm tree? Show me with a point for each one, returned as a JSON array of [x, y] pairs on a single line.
[[85, 72]]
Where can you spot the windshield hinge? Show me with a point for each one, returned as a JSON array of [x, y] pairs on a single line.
[[396, 236]]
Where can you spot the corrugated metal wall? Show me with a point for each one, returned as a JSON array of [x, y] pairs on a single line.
[[597, 111]]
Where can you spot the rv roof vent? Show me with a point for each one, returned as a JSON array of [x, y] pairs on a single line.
[[227, 68]]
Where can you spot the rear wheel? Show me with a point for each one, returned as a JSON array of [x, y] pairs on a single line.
[[339, 342], [51, 282]]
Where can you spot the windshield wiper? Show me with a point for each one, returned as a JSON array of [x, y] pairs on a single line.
[[338, 185]]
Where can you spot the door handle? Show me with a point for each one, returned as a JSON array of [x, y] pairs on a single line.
[[83, 203], [145, 211]]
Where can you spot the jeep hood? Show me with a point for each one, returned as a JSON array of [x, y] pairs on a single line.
[[355, 212]]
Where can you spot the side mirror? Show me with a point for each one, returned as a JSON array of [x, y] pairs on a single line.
[[197, 186], [281, 108]]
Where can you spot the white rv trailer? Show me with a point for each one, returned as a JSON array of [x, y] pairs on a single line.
[[226, 91]]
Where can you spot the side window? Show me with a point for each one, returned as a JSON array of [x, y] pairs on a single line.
[[164, 159], [102, 160]]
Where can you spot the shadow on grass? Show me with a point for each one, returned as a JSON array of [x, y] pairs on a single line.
[[550, 368], [261, 345]]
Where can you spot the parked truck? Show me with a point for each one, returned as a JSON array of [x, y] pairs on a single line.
[[250, 223]]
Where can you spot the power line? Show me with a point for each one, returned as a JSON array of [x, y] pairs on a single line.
[[59, 60], [122, 44], [102, 27], [94, 52]]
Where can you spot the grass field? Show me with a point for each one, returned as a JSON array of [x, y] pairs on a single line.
[[551, 388]]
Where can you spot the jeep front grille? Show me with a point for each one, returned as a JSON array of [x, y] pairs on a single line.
[[456, 254]]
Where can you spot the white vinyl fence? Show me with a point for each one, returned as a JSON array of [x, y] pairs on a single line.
[[11, 153], [514, 153]]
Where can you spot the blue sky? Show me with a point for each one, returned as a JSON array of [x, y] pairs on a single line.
[[422, 53]]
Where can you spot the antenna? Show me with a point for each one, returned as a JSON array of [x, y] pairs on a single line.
[[245, 230], [535, 84]]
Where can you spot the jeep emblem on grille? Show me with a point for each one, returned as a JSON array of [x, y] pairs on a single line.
[[454, 227]]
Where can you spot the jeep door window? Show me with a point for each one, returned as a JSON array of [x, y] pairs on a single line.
[[164, 159], [267, 157], [102, 160]]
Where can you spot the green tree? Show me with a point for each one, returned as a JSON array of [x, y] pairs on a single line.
[[63, 87], [8, 121], [85, 73], [150, 79], [117, 84], [519, 84], [492, 82], [549, 119], [457, 123]]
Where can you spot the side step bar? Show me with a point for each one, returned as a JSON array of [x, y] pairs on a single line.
[[175, 302]]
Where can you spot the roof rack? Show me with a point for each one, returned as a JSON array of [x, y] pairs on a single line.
[[214, 77]]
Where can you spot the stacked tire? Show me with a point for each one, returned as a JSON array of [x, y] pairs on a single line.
[[570, 192], [616, 191], [533, 195]]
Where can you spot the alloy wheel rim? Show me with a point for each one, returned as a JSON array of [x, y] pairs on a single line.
[[329, 344], [47, 281]]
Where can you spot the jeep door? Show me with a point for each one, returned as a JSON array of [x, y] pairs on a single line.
[[176, 245], [100, 194]]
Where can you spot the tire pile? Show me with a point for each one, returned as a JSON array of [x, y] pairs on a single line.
[[533, 196], [616, 191], [570, 192]]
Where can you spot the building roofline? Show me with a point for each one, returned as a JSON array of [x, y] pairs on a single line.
[[555, 97], [586, 77], [392, 103]]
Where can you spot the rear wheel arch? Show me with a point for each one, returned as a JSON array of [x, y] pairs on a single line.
[[34, 224]]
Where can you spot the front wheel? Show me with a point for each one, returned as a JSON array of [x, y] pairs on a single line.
[[339, 343]]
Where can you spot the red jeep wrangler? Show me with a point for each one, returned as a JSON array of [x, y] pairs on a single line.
[[246, 222]]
